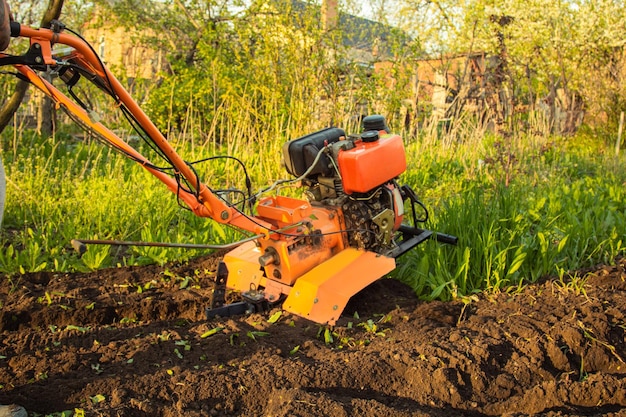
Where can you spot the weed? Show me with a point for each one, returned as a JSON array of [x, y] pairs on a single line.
[[163, 337], [211, 332], [184, 343], [372, 328], [467, 300], [96, 257], [574, 283], [274, 317], [254, 334], [98, 398], [79, 329], [589, 335], [582, 374], [327, 333], [184, 283]]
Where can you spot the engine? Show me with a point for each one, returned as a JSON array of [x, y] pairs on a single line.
[[356, 173]]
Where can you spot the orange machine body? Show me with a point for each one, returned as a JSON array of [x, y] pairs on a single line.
[[303, 253]]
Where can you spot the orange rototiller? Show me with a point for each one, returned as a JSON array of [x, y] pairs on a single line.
[[310, 255]]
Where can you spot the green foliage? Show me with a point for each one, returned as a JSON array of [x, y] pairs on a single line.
[[562, 211], [242, 82], [62, 190], [269, 67]]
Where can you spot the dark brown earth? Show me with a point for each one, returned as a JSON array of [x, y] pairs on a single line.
[[129, 342]]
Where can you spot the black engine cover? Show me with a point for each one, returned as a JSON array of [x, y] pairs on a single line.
[[300, 153]]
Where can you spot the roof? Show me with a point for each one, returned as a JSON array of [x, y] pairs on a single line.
[[366, 40]]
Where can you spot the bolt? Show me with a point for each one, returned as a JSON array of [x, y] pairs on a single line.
[[38, 60], [335, 307], [224, 215], [315, 301]]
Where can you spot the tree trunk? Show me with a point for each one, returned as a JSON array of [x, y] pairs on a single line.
[[10, 107], [46, 119], [53, 12]]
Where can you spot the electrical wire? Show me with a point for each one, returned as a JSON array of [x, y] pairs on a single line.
[[247, 198], [183, 183], [300, 178], [102, 67]]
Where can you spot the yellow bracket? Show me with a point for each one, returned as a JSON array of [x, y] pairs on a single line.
[[322, 293]]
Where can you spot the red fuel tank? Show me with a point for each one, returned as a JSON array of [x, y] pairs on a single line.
[[370, 164]]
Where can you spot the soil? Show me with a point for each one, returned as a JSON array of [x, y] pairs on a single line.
[[135, 342]]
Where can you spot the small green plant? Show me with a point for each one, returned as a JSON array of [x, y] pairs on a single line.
[[80, 329], [574, 283], [327, 333], [253, 334], [211, 332], [98, 398], [582, 374], [96, 257], [589, 335], [275, 317], [372, 328], [184, 343], [163, 337]]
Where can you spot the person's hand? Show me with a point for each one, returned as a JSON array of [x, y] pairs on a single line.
[[5, 28]]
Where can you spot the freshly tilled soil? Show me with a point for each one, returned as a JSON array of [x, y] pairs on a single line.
[[135, 342]]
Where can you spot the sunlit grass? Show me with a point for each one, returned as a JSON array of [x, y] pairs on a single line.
[[562, 209], [524, 207]]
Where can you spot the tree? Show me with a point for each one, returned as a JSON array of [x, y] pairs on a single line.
[[53, 11], [602, 25], [564, 56]]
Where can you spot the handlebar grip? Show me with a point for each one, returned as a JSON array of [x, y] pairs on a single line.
[[449, 239], [16, 28]]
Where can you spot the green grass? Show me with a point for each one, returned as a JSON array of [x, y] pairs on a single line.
[[63, 189], [523, 208], [562, 209]]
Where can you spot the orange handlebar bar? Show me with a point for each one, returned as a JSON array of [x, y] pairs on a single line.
[[204, 203]]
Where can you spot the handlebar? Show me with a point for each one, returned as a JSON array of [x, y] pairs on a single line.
[[199, 198]]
